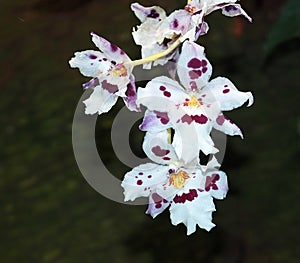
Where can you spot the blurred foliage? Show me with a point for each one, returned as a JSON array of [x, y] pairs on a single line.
[[286, 28]]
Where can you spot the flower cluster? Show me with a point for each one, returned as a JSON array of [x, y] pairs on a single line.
[[181, 110]]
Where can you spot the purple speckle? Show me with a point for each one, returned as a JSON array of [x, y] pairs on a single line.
[[226, 91], [139, 182], [171, 171], [167, 94], [162, 88], [210, 182], [109, 87], [163, 116], [175, 23], [190, 196], [193, 85], [194, 63], [230, 8], [113, 47], [220, 120], [153, 14], [201, 119], [204, 69], [131, 91], [92, 56], [159, 151], [194, 74]]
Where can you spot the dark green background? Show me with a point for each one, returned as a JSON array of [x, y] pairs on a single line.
[[49, 213]]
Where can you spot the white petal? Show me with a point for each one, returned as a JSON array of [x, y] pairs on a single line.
[[193, 213], [157, 205], [155, 121], [235, 10], [212, 164], [193, 69], [177, 23], [90, 63], [191, 134], [225, 125], [226, 94], [216, 184], [143, 179], [161, 94], [148, 13], [213, 5], [100, 101], [110, 50], [131, 96], [158, 149]]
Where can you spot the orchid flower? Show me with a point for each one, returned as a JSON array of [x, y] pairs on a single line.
[[111, 72], [193, 107], [158, 31], [170, 182]]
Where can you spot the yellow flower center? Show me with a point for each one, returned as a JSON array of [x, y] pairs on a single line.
[[119, 71], [193, 102], [178, 179], [191, 9]]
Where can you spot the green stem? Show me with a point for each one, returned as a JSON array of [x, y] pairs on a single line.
[[158, 55]]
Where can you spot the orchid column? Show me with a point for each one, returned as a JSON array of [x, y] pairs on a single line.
[[181, 109]]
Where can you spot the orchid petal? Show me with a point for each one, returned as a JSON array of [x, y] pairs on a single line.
[[158, 149], [226, 94], [190, 138], [192, 128], [130, 99], [212, 164], [201, 29], [113, 52], [100, 101], [223, 124], [216, 184], [161, 94], [193, 213], [90, 63], [177, 23], [155, 121], [157, 205], [143, 179], [145, 13], [193, 69], [235, 10]]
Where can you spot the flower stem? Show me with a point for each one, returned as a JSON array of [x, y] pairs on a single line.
[[169, 135], [158, 55]]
